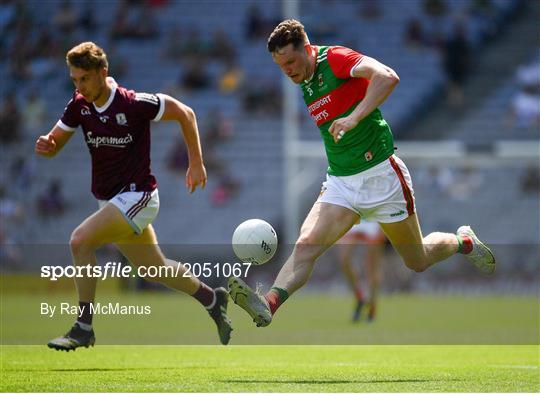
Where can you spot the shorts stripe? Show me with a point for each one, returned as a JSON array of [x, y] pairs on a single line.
[[406, 190], [135, 206], [142, 205]]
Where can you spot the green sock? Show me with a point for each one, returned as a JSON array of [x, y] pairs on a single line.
[[282, 294], [460, 244]]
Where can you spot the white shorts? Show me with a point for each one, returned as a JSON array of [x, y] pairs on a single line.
[[383, 193], [139, 208]]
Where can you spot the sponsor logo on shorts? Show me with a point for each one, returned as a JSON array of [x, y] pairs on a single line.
[[399, 213]]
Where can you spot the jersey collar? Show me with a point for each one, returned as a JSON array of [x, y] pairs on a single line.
[[113, 85]]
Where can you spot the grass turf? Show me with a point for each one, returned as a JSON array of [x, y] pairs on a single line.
[[273, 369], [309, 319], [507, 327]]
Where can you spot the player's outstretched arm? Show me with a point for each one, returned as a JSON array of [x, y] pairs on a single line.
[[175, 110], [52, 143], [382, 81]]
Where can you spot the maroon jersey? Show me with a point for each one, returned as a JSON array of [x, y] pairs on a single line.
[[118, 138]]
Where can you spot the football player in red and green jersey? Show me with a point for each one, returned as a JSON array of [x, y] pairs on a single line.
[[343, 90]]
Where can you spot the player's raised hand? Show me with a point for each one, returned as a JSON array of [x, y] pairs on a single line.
[[195, 176], [45, 145], [340, 126]]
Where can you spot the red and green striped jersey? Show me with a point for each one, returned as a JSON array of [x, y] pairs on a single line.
[[333, 93]]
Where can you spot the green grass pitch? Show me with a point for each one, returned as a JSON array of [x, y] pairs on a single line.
[[282, 368], [418, 343]]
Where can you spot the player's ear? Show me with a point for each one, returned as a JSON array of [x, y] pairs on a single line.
[[104, 72]]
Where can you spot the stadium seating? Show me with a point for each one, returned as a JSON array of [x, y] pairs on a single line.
[[254, 154]]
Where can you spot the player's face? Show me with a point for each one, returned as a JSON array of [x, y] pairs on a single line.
[[89, 83], [294, 63]]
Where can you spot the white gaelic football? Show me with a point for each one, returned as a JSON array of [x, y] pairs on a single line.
[[254, 241]]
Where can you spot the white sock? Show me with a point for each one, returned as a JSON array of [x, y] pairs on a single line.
[[84, 326], [212, 304]]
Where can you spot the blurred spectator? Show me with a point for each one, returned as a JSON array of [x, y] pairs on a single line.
[[370, 9], [261, 97], [121, 27], [7, 16], [456, 55], [12, 215], [19, 55], [434, 22], [530, 181], [323, 31], [34, 112], [526, 108], [256, 24], [65, 19], [10, 253], [484, 15], [52, 202], [177, 159], [467, 183], [24, 20], [414, 34], [217, 128], [22, 175], [11, 211], [87, 18], [10, 119], [173, 44], [157, 3], [525, 104], [227, 189], [134, 20], [222, 47], [146, 22], [44, 55], [231, 78], [118, 65], [45, 45], [194, 46], [195, 76], [436, 180], [434, 8]]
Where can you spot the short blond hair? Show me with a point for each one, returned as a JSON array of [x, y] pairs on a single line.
[[87, 56]]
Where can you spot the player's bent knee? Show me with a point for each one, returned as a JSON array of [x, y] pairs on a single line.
[[417, 265], [79, 242]]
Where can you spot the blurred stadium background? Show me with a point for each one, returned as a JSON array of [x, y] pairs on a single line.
[[470, 85]]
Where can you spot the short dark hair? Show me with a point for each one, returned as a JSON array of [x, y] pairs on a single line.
[[87, 56], [289, 31]]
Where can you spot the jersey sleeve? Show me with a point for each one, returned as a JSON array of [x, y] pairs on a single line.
[[342, 61], [70, 120], [149, 105]]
